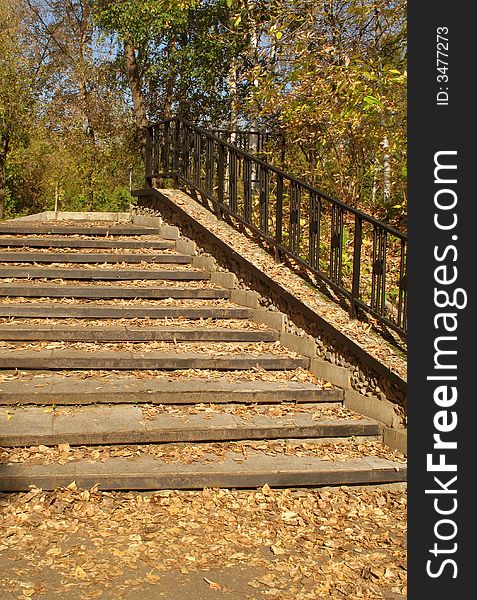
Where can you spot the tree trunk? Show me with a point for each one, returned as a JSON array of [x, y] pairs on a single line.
[[233, 76], [88, 130], [386, 171], [170, 81], [135, 85], [386, 157]]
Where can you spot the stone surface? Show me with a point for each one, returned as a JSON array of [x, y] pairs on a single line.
[[52, 388], [92, 292], [303, 345], [32, 426], [336, 375], [274, 320], [90, 311], [103, 359], [370, 406], [99, 274], [146, 472]]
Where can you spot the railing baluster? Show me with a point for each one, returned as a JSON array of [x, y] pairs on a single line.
[[295, 217], [358, 242], [384, 244], [233, 180], [209, 167], [402, 283], [279, 211], [373, 278], [197, 153], [163, 156], [177, 152], [378, 291], [247, 190], [186, 168], [263, 199], [220, 173], [336, 245], [314, 231], [148, 157], [157, 157]]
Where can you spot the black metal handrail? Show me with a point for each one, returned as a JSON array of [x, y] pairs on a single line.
[[355, 254]]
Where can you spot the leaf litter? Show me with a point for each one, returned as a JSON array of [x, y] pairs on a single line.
[[255, 374], [211, 452], [306, 544], [137, 348]]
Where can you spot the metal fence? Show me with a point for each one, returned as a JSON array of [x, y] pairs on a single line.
[[267, 145], [357, 256]]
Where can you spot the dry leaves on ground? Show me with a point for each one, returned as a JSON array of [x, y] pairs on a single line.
[[213, 452], [308, 544]]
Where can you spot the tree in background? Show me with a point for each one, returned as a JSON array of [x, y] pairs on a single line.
[[82, 78], [17, 88], [334, 80]]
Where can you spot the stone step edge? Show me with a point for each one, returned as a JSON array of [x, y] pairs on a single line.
[[90, 311], [65, 242], [129, 425], [145, 473], [26, 272], [93, 258], [58, 390], [45, 360], [106, 292], [132, 334]]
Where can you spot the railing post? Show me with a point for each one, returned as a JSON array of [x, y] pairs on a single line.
[[148, 158], [220, 173], [175, 162], [279, 210], [358, 240]]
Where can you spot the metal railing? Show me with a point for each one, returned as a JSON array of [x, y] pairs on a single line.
[[267, 145], [357, 256]]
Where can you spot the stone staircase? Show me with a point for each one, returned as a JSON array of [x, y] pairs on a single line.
[[127, 364]]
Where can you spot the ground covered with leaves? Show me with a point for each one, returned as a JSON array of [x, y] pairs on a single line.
[[283, 544]]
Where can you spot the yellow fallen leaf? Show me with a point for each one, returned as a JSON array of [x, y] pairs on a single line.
[[213, 584], [80, 573]]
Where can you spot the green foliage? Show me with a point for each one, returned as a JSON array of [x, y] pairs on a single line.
[[338, 91], [116, 200], [330, 75]]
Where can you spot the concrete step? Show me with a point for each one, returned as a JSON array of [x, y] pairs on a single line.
[[133, 334], [92, 292], [28, 272], [95, 425], [147, 472], [80, 229], [90, 258], [70, 242], [47, 360], [58, 389], [45, 310]]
